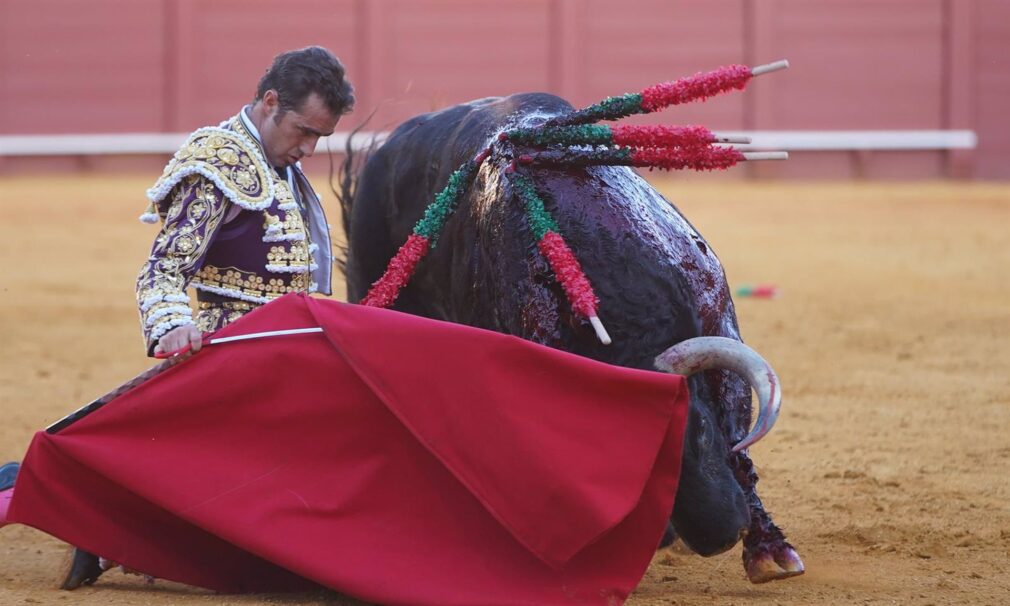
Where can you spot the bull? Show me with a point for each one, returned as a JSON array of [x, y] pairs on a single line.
[[658, 281]]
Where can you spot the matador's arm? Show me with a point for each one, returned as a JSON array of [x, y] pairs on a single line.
[[195, 211]]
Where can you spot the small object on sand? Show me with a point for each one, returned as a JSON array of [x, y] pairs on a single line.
[[761, 291]]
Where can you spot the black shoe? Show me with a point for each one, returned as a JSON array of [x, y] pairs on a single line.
[[8, 473], [82, 568]]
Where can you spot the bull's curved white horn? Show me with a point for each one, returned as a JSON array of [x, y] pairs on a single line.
[[706, 353]]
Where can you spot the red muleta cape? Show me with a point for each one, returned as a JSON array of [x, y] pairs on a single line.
[[396, 459]]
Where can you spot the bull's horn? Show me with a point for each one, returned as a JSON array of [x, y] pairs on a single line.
[[705, 353]]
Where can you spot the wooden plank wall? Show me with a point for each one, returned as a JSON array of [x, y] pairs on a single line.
[[68, 66]]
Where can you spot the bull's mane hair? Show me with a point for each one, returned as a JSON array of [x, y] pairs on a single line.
[[347, 185]]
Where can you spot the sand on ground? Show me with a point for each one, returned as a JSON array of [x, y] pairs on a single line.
[[888, 467]]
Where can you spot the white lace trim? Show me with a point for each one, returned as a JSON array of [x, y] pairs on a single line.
[[164, 327], [148, 302], [153, 300], [231, 292], [288, 206], [313, 247], [179, 310], [198, 169], [275, 237], [155, 194], [149, 218], [289, 269]]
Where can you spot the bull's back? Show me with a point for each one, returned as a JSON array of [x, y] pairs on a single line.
[[403, 176], [657, 280]]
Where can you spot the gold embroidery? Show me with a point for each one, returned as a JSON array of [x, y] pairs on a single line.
[[210, 320], [283, 192], [244, 178], [248, 283], [162, 280], [215, 315], [229, 157], [231, 164], [297, 255], [185, 245], [292, 223], [229, 305], [197, 209]]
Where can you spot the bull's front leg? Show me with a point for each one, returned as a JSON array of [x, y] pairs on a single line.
[[767, 555]]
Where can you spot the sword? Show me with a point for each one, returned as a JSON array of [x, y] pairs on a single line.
[[252, 335], [170, 359]]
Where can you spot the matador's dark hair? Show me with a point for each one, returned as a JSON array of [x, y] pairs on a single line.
[[297, 74]]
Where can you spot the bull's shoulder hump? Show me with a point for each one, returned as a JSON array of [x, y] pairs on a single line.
[[443, 119], [500, 106]]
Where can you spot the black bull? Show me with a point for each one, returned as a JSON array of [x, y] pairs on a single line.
[[658, 281]]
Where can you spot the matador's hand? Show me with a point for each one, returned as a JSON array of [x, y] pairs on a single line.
[[180, 337]]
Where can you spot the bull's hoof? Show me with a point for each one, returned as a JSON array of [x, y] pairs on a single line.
[[81, 568], [774, 565]]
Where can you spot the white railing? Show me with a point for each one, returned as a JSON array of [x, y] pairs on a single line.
[[787, 140], [137, 143]]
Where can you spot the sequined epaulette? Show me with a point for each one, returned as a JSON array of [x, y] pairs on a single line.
[[229, 159]]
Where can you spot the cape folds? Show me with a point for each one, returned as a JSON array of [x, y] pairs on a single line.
[[393, 458]]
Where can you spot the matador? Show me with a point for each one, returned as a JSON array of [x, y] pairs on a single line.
[[240, 222]]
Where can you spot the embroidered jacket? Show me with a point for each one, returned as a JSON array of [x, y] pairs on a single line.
[[233, 228]]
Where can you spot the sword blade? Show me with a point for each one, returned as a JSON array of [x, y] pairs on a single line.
[[261, 335], [100, 401], [156, 370]]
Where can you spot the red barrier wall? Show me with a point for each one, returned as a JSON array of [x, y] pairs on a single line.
[[68, 66]]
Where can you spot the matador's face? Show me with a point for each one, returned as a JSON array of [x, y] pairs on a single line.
[[289, 136]]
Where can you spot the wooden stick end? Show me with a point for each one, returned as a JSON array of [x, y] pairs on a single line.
[[769, 67]]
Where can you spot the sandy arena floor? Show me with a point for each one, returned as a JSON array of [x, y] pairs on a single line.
[[888, 468]]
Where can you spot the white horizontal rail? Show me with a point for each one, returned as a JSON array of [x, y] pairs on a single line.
[[138, 143], [786, 140]]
